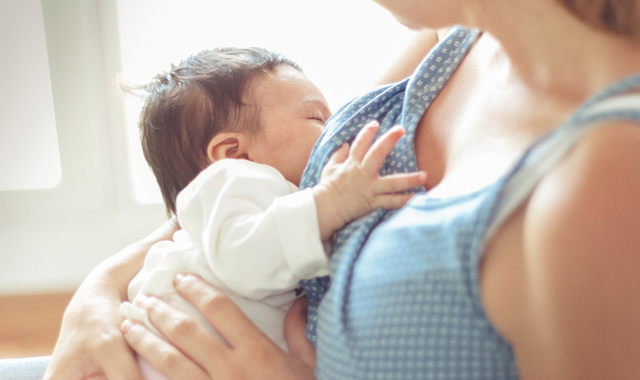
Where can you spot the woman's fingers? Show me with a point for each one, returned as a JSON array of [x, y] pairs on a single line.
[[193, 353], [108, 357], [90, 344], [167, 359], [225, 317], [295, 327], [183, 332], [118, 361]]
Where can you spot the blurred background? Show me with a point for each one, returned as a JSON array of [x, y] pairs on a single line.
[[74, 188]]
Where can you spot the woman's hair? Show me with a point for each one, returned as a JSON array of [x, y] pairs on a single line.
[[617, 16], [195, 100]]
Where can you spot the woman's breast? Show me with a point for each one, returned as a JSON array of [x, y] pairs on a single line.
[[409, 303]]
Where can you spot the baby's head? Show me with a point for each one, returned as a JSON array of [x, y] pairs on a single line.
[[220, 104]]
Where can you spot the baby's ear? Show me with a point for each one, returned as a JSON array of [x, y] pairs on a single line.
[[227, 145]]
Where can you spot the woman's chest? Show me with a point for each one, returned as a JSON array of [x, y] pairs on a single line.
[[472, 135], [479, 126], [409, 302]]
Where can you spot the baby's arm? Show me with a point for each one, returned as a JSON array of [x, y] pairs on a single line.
[[350, 186], [260, 238]]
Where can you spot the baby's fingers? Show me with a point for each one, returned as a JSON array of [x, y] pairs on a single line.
[[391, 201], [339, 156], [363, 141], [378, 153], [398, 182]]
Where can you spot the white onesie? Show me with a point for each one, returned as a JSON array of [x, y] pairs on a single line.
[[248, 232]]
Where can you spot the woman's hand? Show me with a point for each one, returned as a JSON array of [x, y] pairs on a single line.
[[193, 353], [90, 345], [295, 331]]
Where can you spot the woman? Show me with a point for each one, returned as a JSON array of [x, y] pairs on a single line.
[[522, 259]]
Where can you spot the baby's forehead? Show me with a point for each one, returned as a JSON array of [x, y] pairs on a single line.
[[285, 84]]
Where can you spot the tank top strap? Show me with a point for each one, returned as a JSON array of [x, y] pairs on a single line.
[[618, 102]]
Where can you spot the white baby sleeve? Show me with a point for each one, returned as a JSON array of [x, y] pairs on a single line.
[[258, 237], [297, 226]]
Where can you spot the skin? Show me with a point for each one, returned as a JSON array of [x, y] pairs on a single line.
[[251, 355], [90, 345], [350, 187], [559, 279], [293, 113]]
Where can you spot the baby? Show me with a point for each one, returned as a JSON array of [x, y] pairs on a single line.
[[227, 134]]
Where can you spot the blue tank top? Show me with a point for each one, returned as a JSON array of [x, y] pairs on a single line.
[[403, 300]]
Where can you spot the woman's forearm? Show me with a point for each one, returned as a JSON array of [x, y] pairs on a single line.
[[120, 269], [90, 343], [410, 57]]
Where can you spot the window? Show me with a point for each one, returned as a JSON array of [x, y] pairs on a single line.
[[51, 237], [29, 156], [94, 204], [333, 40]]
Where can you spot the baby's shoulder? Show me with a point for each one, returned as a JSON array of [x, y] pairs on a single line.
[[236, 179], [234, 170]]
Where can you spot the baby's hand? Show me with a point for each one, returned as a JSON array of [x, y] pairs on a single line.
[[350, 186]]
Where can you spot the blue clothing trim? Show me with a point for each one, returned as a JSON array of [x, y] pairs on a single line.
[[24, 368]]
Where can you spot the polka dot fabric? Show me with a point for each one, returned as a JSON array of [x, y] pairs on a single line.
[[389, 106]]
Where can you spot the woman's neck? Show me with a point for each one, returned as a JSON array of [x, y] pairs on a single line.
[[552, 52]]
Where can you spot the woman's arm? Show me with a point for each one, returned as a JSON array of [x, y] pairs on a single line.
[[413, 53], [260, 244], [581, 318], [90, 343], [193, 353]]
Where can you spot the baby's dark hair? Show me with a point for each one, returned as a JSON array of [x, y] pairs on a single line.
[[194, 101]]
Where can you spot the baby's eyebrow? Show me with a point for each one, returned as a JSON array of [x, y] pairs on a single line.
[[316, 101]]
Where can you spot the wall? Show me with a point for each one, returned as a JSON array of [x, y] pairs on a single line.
[[51, 238]]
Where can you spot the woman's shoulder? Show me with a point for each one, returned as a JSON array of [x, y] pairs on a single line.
[[582, 249], [597, 184], [600, 170], [574, 303]]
